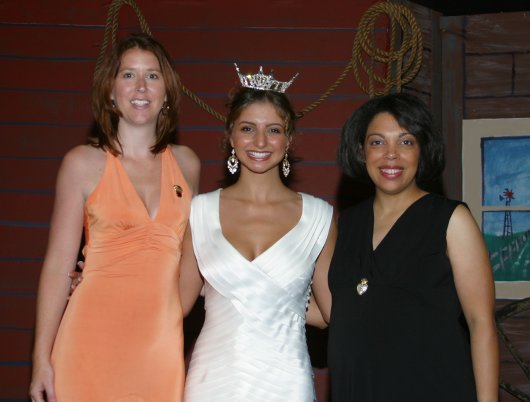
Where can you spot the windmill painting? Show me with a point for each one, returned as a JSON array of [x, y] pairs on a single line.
[[505, 172], [496, 187]]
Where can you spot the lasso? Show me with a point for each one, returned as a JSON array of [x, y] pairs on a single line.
[[402, 60]]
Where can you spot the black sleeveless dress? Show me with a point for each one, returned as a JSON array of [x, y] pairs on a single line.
[[405, 338]]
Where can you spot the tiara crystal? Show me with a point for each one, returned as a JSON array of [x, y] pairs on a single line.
[[263, 82]]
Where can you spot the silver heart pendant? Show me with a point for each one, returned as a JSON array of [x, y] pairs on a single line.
[[362, 286]]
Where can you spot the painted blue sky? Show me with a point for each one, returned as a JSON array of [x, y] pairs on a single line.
[[493, 222], [505, 164]]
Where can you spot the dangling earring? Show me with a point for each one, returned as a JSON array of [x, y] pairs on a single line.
[[232, 163], [286, 166]]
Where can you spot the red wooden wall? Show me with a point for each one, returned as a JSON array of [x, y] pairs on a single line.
[[47, 57]]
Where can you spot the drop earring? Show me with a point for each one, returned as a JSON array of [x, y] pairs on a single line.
[[232, 163], [286, 166]]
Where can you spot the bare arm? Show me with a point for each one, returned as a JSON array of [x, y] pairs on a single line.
[[189, 164], [320, 281], [475, 287], [190, 282], [61, 255]]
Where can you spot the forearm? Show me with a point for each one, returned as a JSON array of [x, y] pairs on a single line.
[[314, 316], [485, 355], [51, 302]]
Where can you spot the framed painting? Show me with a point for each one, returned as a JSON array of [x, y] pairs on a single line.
[[496, 187]]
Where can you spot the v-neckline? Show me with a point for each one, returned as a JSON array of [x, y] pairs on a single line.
[[137, 195], [268, 249], [392, 228]]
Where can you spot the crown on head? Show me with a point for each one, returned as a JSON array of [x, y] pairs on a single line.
[[263, 82]]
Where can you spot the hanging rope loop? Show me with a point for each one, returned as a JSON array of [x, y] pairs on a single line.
[[111, 27], [402, 63]]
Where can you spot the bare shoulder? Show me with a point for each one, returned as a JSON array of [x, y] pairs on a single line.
[[189, 164], [185, 155], [461, 218], [85, 156], [83, 166]]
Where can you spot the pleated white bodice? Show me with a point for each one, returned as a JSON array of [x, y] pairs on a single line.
[[252, 346]]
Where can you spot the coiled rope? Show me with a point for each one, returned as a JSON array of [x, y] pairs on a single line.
[[402, 63]]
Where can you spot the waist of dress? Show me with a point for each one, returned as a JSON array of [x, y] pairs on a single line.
[[149, 236]]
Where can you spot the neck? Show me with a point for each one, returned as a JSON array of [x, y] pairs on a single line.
[[136, 140], [389, 203], [259, 187]]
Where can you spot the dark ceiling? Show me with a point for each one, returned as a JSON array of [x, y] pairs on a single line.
[[470, 7]]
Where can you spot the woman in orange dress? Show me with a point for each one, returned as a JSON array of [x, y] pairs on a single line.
[[119, 338]]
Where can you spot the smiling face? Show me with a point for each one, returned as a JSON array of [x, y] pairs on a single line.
[[391, 154], [139, 90], [258, 137]]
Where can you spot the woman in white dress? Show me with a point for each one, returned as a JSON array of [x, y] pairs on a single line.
[[258, 246]]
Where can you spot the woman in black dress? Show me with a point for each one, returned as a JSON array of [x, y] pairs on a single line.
[[412, 315]]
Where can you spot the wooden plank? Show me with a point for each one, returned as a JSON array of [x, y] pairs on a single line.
[[15, 382], [19, 275], [20, 345], [489, 75], [26, 207], [496, 108], [32, 174], [205, 14], [64, 108], [50, 41], [497, 33], [23, 242], [40, 141], [187, 44], [17, 311], [53, 75], [522, 75], [316, 147], [452, 104]]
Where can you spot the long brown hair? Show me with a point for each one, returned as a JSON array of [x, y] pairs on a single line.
[[107, 116]]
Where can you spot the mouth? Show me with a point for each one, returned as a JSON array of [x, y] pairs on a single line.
[[391, 172], [140, 102], [258, 155]]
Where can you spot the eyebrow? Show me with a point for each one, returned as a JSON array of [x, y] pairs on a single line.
[[254, 124], [402, 134]]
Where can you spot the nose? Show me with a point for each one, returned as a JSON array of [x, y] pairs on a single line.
[[260, 138], [140, 84], [391, 153]]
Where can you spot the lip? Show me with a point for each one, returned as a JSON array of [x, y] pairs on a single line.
[[259, 155], [141, 103], [391, 172]]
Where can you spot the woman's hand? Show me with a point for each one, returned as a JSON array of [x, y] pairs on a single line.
[[41, 388], [76, 277]]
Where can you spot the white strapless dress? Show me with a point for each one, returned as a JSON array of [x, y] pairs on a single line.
[[252, 347]]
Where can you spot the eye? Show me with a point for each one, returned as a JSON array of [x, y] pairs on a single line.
[[246, 129], [152, 76], [376, 142], [276, 130], [127, 75], [410, 141]]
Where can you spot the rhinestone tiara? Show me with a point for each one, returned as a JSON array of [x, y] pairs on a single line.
[[263, 82]]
